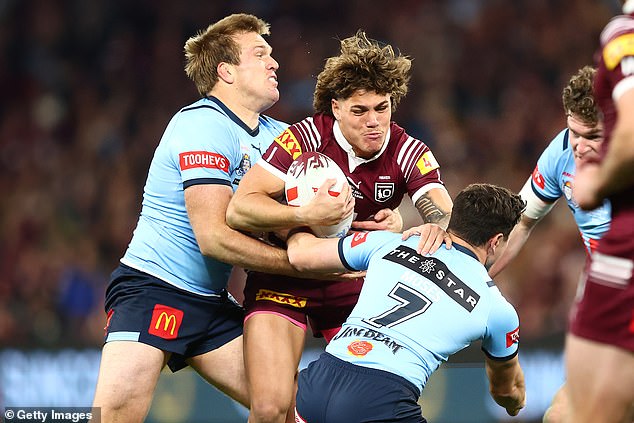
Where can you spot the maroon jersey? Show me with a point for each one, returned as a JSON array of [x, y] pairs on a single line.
[[615, 75], [404, 164], [605, 310]]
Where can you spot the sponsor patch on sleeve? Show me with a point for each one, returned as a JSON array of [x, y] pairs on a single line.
[[538, 179], [358, 238], [427, 163], [289, 143], [203, 159], [513, 337], [617, 49]]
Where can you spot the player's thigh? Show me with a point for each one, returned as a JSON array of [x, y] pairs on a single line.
[[223, 367], [600, 380], [128, 374], [558, 410], [273, 348]]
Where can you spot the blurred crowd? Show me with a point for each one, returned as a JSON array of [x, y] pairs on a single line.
[[88, 87]]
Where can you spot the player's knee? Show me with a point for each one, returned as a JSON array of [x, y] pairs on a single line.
[[553, 414], [269, 411]]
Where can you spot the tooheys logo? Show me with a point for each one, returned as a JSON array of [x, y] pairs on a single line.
[[538, 179], [194, 159], [165, 321], [513, 337], [289, 143]]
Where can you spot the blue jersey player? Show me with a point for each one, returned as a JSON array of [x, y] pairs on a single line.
[[167, 302], [414, 311], [553, 178]]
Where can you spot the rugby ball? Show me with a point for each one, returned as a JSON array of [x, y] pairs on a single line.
[[304, 177]]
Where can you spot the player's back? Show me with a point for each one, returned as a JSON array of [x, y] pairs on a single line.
[[415, 311]]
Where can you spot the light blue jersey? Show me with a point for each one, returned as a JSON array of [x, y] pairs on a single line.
[[415, 311], [553, 178], [204, 143]]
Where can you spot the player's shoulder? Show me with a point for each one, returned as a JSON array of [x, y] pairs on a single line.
[[618, 26], [312, 130], [558, 153], [560, 144], [272, 124]]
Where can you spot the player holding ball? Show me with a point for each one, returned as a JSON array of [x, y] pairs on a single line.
[[354, 98]]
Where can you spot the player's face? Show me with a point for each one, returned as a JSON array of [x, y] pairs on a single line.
[[364, 119], [585, 139], [256, 72]]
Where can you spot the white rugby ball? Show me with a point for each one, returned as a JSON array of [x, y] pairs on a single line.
[[304, 177]]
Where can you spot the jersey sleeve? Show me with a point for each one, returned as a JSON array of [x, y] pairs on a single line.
[[419, 167], [202, 148], [285, 148], [545, 177], [356, 249], [616, 63], [501, 339]]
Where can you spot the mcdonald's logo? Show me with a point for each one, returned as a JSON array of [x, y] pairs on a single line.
[[165, 322]]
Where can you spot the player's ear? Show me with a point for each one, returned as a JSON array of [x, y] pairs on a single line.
[[225, 72], [494, 243], [336, 111]]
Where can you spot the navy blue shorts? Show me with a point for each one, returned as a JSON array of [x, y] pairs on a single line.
[[145, 309], [335, 391]]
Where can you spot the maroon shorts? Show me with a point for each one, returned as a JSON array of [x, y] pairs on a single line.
[[604, 308], [324, 304]]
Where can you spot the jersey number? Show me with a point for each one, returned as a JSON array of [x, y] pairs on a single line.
[[411, 304]]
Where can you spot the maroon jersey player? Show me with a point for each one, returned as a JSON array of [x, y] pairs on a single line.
[[354, 98], [600, 345], [402, 165]]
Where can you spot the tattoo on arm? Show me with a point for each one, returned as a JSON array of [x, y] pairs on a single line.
[[430, 212]]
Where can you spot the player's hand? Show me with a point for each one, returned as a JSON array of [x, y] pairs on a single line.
[[585, 188], [513, 410], [326, 208], [431, 237], [383, 220]]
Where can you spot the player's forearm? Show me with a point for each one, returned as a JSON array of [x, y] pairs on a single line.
[[517, 238], [260, 213], [506, 384], [233, 247], [617, 168], [435, 206]]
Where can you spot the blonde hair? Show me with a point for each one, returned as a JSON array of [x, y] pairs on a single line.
[[207, 49], [363, 64]]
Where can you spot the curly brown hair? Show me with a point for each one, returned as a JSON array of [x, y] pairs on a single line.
[[207, 49], [577, 96], [363, 64]]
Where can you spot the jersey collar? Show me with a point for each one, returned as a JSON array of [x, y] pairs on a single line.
[[253, 132], [353, 160], [466, 251]]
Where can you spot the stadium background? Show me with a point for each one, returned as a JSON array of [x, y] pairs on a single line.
[[88, 87]]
